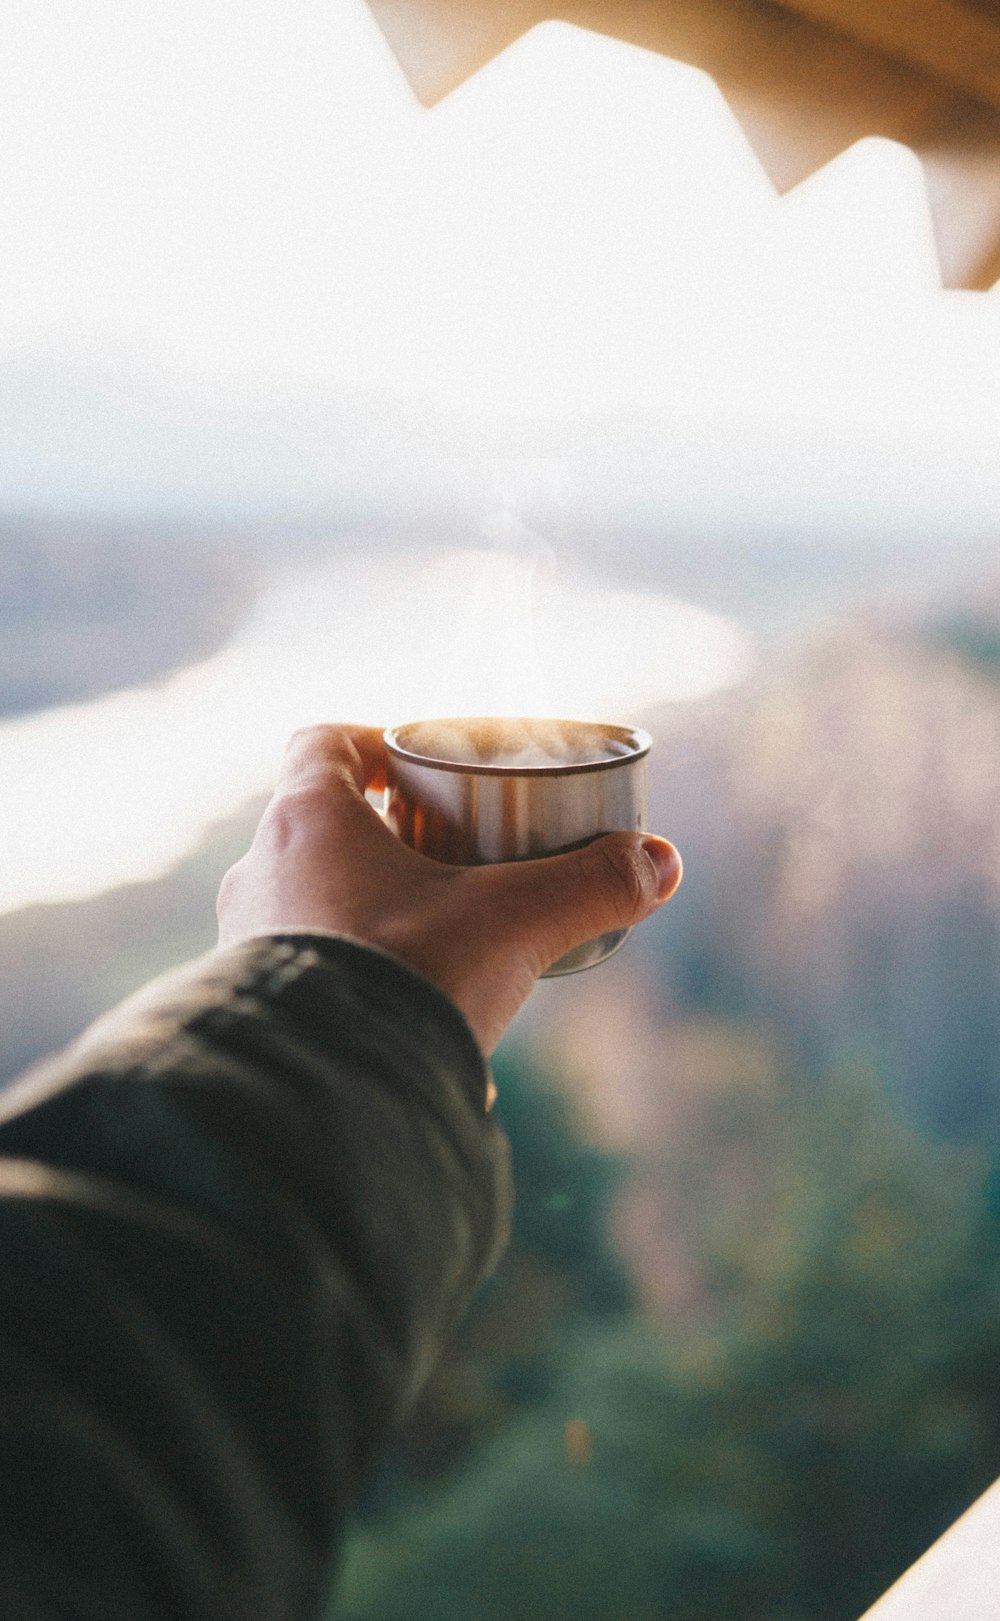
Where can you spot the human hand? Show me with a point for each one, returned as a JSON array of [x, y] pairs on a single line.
[[324, 860]]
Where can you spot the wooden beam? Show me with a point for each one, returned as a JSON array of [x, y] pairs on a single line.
[[441, 43], [947, 39], [947, 42], [802, 92], [753, 43], [961, 158]]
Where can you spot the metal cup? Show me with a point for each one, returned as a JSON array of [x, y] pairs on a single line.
[[479, 790]]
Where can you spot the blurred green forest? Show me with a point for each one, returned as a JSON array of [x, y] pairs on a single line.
[[780, 1451]]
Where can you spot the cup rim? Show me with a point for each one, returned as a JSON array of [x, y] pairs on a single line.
[[639, 743]]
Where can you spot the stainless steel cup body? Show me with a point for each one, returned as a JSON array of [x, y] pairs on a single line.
[[472, 811]]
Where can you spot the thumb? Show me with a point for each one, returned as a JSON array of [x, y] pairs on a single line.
[[554, 903]]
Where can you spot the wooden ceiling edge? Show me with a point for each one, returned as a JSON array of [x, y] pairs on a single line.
[[744, 47], [987, 275], [897, 100], [943, 38], [449, 45]]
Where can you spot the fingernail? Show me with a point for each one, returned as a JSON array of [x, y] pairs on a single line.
[[667, 863]]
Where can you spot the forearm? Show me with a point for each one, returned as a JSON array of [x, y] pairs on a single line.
[[239, 1222]]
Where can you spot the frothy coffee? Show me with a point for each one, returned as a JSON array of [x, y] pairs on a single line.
[[515, 745]]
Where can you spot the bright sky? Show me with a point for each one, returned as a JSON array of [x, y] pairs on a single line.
[[245, 196]]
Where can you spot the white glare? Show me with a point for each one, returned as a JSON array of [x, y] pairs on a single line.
[[247, 197]]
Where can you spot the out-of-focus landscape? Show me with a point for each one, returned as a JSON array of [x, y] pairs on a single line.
[[743, 1353], [317, 404]]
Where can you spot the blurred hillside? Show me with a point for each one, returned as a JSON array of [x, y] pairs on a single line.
[[62, 965], [840, 821], [782, 1452], [84, 610]]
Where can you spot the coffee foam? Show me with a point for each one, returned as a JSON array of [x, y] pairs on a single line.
[[529, 745]]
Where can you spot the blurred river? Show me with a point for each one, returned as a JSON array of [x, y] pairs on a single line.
[[119, 789]]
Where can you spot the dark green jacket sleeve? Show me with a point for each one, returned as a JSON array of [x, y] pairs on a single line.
[[237, 1222]]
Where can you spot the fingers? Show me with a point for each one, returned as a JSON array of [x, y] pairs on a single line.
[[558, 902], [317, 756]]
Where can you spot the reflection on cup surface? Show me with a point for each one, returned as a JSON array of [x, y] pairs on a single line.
[[480, 789]]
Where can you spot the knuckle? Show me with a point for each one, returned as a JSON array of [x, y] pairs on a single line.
[[310, 747], [289, 811], [306, 736], [304, 743], [320, 755]]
